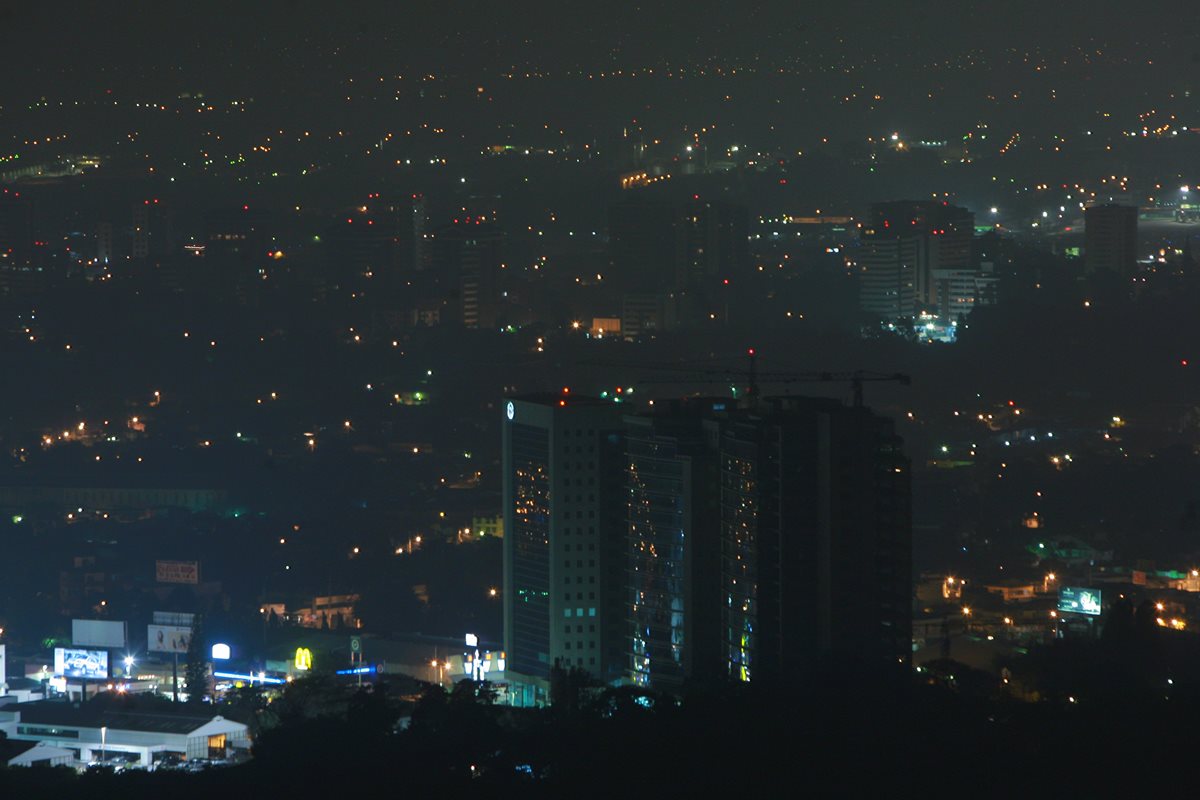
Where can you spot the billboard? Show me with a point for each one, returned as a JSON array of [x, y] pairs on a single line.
[[173, 618], [168, 638], [72, 662], [1074, 600], [97, 633], [177, 571]]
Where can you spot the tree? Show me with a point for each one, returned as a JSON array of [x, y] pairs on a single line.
[[196, 672]]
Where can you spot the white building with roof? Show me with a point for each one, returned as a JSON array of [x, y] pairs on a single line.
[[136, 737]]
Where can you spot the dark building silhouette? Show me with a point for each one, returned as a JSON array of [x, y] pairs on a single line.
[[16, 229], [1110, 239], [816, 538], [467, 261], [679, 253], [151, 234]]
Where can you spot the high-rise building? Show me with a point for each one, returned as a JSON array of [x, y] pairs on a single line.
[[672, 519], [960, 291], [815, 538], [468, 262], [646, 314], [681, 250], [151, 233], [710, 541], [645, 245], [16, 229], [1110, 239], [763, 539], [715, 243], [944, 235], [104, 243], [564, 538], [886, 264]]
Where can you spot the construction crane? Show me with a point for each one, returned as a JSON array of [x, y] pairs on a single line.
[[856, 378]]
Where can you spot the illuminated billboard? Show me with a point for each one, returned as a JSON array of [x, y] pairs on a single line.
[[71, 662], [1074, 600], [168, 638]]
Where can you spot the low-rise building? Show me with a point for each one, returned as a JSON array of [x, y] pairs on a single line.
[[136, 737]]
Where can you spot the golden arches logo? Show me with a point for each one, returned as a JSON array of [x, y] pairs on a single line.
[[303, 658]]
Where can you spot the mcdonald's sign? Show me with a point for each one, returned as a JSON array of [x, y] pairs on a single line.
[[303, 659]]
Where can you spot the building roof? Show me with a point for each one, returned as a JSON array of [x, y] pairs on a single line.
[[553, 399], [57, 712], [11, 748]]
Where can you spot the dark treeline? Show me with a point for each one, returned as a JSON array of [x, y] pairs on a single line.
[[843, 733]]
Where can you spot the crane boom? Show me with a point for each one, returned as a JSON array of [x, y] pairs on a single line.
[[856, 378]]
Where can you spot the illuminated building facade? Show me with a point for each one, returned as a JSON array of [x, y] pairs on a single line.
[[563, 542], [740, 542], [671, 516]]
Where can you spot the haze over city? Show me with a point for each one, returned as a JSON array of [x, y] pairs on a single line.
[[546, 400]]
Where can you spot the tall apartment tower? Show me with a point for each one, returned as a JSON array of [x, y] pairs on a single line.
[[467, 258], [763, 539], [104, 243], [1110, 239], [16, 229], [564, 535], [816, 538], [672, 508], [908, 247], [887, 264]]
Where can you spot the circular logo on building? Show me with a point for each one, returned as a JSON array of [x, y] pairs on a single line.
[[510, 410]]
